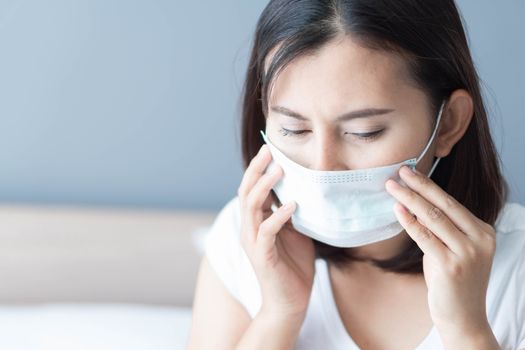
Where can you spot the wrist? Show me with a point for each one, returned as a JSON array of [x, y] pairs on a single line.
[[290, 321], [271, 330], [283, 314], [475, 336]]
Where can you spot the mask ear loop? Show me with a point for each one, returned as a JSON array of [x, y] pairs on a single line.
[[432, 139]]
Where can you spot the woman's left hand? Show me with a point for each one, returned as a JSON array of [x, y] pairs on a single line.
[[458, 252]]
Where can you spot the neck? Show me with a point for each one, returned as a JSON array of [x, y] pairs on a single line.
[[382, 250]]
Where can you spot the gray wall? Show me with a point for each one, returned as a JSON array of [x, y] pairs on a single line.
[[136, 102]]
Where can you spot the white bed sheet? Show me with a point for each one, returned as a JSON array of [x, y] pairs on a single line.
[[101, 326]]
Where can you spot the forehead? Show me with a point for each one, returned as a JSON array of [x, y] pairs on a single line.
[[342, 72]]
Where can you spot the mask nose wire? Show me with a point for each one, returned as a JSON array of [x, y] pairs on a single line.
[[432, 139]]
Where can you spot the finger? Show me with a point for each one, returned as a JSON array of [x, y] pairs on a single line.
[[467, 222], [424, 238], [269, 228], [257, 197], [254, 171], [429, 216]]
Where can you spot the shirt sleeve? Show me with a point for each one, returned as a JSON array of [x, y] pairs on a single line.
[[521, 299], [514, 224], [223, 249]]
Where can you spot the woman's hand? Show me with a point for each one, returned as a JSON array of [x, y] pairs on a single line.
[[458, 252], [283, 259]]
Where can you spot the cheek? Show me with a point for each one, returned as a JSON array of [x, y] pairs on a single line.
[[302, 154], [400, 142], [412, 138]]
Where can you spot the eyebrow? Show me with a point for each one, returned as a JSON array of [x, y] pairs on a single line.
[[362, 113]]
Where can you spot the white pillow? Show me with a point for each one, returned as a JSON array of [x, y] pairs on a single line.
[[100, 326]]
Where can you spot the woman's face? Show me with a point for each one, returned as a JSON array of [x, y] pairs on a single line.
[[353, 108]]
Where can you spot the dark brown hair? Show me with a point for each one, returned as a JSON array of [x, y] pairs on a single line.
[[431, 38]]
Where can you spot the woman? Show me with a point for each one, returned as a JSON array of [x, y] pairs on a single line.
[[355, 88]]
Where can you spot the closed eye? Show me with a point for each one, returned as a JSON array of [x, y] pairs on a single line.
[[361, 135], [287, 132], [366, 135]]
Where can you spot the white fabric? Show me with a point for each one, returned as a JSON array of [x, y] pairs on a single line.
[[90, 326], [323, 328]]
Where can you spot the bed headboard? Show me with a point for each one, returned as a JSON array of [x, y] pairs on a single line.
[[75, 254]]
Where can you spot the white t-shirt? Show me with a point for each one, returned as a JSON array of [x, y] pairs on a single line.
[[323, 327]]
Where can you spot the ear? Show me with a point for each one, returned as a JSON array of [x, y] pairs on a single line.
[[455, 120]]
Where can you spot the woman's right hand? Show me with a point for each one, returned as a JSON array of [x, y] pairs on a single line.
[[283, 259]]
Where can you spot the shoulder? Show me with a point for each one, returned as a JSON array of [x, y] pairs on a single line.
[[225, 229], [510, 231], [222, 248], [505, 294], [229, 215], [223, 235], [228, 258], [511, 218]]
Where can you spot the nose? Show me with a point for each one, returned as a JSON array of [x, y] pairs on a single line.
[[328, 155]]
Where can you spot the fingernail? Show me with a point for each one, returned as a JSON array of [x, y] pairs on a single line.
[[393, 184], [408, 171], [288, 205]]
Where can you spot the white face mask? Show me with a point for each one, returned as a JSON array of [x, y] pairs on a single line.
[[347, 208]]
